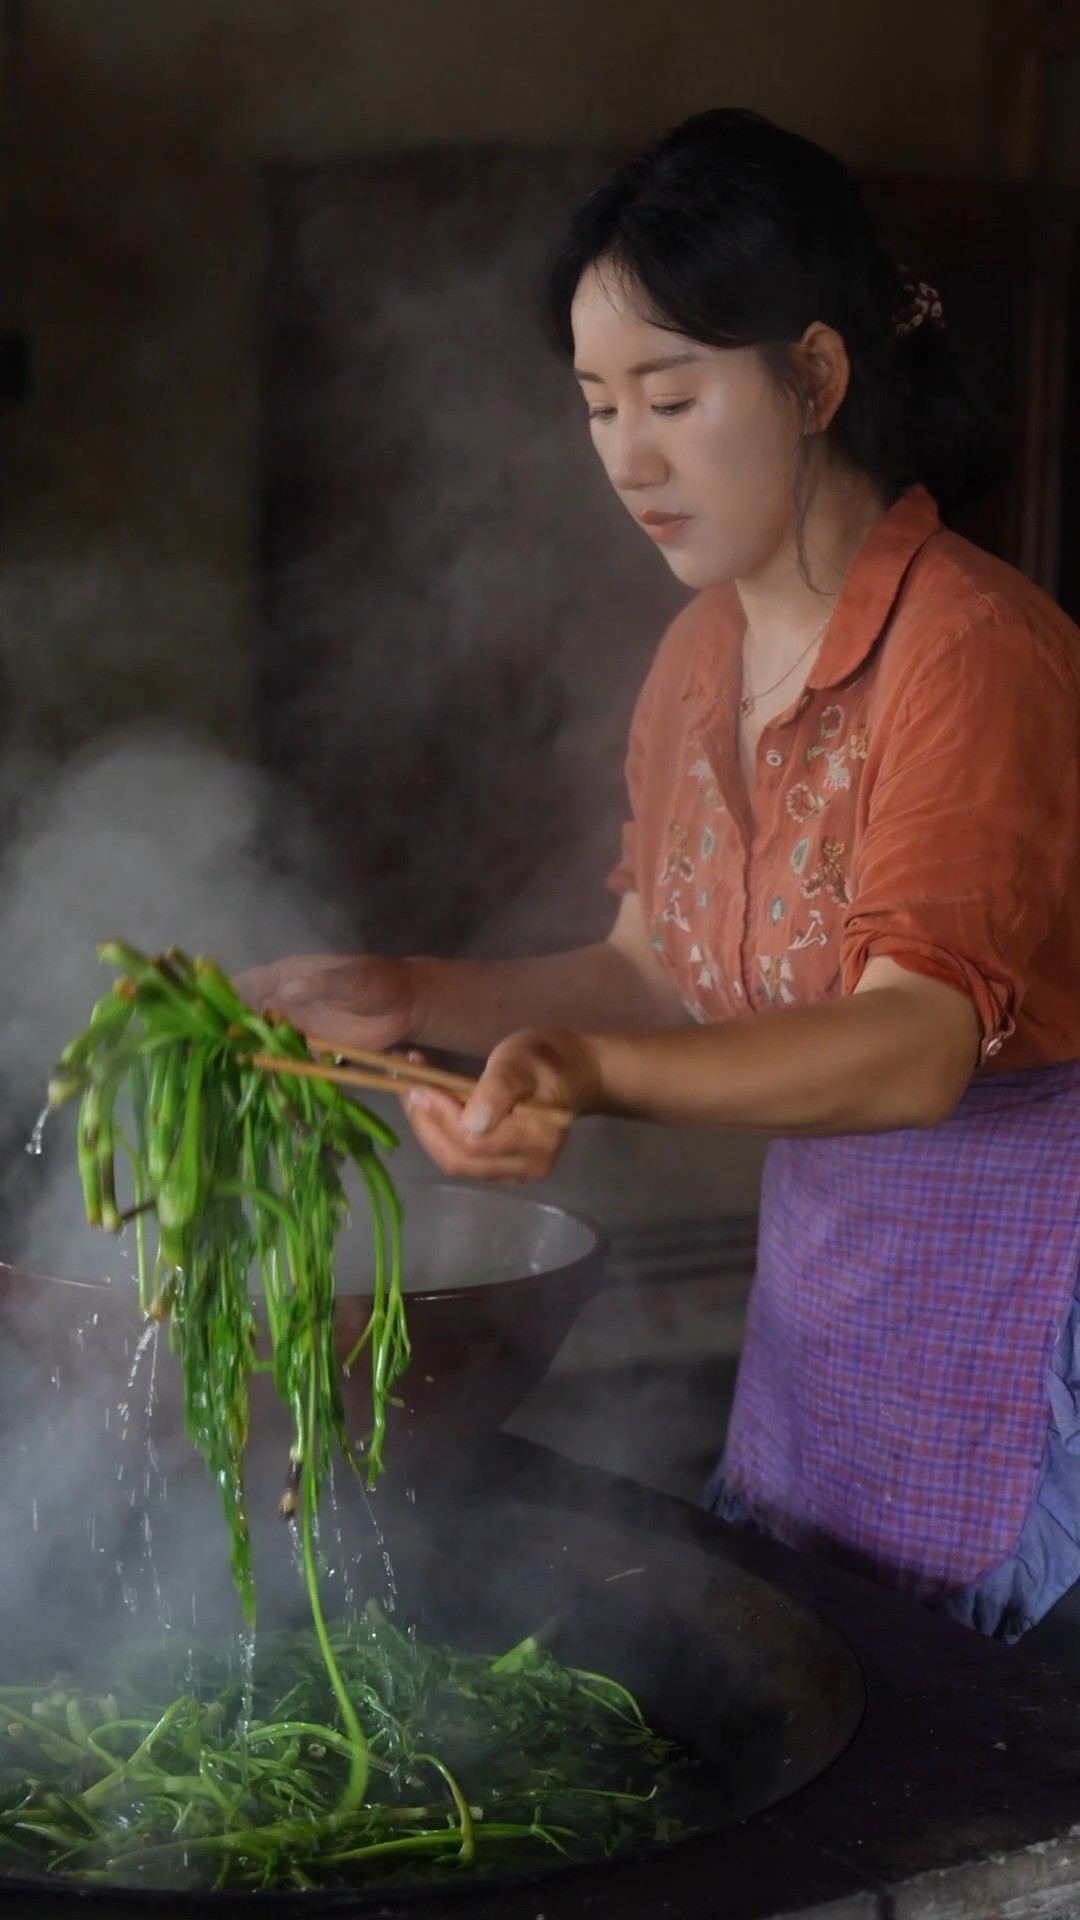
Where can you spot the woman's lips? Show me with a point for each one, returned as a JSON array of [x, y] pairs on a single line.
[[662, 526]]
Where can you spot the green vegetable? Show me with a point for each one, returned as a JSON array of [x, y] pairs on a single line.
[[238, 1166], [360, 1751], [471, 1762]]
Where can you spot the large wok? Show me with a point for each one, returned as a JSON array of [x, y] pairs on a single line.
[[755, 1685]]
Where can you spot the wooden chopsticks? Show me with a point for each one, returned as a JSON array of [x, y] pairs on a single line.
[[387, 1073]]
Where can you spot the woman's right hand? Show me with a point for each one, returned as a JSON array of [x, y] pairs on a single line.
[[364, 1002]]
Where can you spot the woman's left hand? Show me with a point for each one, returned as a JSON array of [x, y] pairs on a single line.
[[488, 1138]]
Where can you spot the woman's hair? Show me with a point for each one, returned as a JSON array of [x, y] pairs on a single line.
[[741, 234]]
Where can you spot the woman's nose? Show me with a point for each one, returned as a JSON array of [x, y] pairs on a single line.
[[633, 460]]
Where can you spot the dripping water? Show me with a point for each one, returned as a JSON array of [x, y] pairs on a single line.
[[247, 1682], [147, 1483], [390, 1592]]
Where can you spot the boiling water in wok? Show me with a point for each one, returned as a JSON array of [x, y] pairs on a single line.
[[80, 1789], [761, 1691]]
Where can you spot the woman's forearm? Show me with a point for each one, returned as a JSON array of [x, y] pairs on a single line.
[[871, 1062], [468, 1006], [896, 1053]]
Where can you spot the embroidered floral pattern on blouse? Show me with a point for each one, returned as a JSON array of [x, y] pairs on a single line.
[[829, 877], [688, 877], [802, 805], [708, 975], [814, 934], [777, 979], [701, 771], [837, 772], [830, 725], [678, 864], [673, 914], [684, 892]]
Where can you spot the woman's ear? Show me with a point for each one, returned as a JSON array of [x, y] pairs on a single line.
[[822, 361]]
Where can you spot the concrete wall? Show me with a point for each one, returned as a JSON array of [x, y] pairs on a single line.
[[132, 250]]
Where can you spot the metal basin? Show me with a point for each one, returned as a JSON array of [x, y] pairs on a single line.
[[495, 1282]]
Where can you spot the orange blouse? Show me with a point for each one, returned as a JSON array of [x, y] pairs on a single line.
[[920, 799]]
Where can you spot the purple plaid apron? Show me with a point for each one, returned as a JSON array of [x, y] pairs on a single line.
[[908, 1398]]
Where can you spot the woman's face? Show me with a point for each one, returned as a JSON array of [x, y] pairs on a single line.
[[700, 443]]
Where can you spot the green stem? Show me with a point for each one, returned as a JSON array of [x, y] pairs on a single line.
[[356, 1786], [102, 1788], [465, 1816], [622, 1694], [435, 1842], [305, 1729]]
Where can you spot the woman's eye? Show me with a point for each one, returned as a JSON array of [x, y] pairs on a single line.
[[667, 408]]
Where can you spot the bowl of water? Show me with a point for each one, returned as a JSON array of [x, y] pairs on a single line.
[[494, 1282]]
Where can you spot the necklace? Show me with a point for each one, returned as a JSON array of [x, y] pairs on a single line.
[[749, 700]]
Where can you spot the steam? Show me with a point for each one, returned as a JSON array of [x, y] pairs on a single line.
[[456, 641], [157, 838], [462, 620]]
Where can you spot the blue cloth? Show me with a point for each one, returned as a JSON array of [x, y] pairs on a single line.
[[1016, 1593]]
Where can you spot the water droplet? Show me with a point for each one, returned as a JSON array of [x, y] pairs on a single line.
[[147, 1338], [247, 1682], [391, 1583], [34, 1514], [297, 1546], [33, 1145]]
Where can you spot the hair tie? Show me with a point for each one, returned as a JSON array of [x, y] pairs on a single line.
[[920, 303]]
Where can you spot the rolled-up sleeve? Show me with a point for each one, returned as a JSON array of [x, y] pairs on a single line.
[[969, 811]]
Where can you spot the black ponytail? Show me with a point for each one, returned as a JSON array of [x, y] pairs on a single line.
[[741, 234], [958, 442]]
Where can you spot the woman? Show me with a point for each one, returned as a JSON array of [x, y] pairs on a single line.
[[850, 913]]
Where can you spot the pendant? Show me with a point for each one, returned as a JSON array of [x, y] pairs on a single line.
[[746, 705]]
